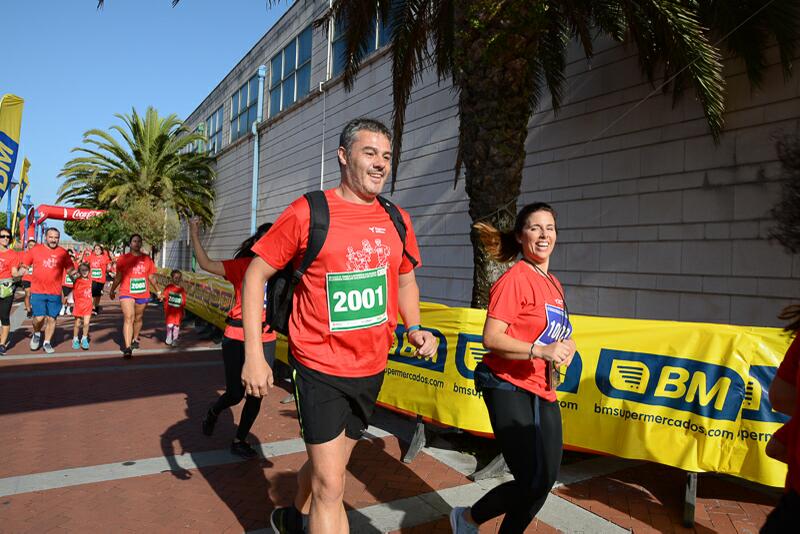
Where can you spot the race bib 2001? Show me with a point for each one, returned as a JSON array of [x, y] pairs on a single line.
[[138, 285], [356, 299], [97, 273]]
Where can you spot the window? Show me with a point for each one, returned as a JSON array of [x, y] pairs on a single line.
[[378, 37], [290, 73], [214, 131], [244, 108]]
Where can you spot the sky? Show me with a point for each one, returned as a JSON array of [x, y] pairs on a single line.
[[76, 66]]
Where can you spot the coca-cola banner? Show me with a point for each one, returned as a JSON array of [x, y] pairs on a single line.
[[65, 214]]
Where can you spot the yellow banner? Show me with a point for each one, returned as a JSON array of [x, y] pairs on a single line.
[[689, 395], [10, 125], [21, 190]]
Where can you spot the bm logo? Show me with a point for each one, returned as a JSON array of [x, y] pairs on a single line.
[[8, 158], [704, 389]]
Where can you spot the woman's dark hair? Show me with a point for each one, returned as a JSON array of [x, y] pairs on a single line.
[[7, 229], [135, 235], [503, 246], [171, 274], [244, 249]]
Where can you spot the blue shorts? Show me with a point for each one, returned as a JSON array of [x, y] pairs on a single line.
[[137, 301], [43, 305]]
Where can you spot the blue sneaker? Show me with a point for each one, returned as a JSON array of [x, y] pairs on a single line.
[[75, 343], [459, 524], [85, 343]]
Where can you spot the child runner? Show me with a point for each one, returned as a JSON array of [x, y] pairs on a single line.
[[66, 289], [82, 295], [174, 298]]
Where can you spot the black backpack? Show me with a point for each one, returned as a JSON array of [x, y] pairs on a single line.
[[280, 288]]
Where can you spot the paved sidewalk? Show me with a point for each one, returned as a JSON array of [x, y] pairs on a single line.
[[95, 443]]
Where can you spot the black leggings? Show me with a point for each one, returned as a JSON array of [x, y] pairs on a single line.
[[528, 430], [5, 310], [233, 356]]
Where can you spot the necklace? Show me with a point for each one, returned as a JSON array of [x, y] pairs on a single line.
[[564, 320]]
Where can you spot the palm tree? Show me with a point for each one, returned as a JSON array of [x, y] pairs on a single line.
[[150, 160], [503, 54]]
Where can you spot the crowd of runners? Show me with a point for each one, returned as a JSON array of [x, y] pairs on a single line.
[[350, 256]]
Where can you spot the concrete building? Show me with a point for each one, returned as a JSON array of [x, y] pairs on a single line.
[[656, 220]]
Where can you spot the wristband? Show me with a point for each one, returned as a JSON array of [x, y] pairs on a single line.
[[412, 328], [530, 352]]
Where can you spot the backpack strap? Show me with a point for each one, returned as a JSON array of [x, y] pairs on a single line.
[[399, 224], [317, 231]]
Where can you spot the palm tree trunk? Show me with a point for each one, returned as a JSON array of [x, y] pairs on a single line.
[[493, 74]]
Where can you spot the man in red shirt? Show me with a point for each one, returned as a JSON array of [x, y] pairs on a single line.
[[50, 263], [343, 319]]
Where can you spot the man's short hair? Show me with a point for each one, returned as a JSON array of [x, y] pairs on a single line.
[[56, 230], [348, 135]]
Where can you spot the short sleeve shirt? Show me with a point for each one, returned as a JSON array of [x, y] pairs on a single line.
[[135, 271], [49, 266], [234, 273], [789, 371], [345, 307], [8, 259], [533, 308], [99, 266]]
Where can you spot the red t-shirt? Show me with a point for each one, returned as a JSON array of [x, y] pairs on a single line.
[[49, 265], [789, 371], [99, 266], [135, 271], [533, 308], [82, 295], [8, 259], [174, 303], [234, 273], [345, 306]]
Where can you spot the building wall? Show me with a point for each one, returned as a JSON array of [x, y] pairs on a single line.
[[655, 219]]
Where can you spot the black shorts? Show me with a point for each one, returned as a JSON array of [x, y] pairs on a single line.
[[328, 404], [66, 290], [26, 284], [97, 288]]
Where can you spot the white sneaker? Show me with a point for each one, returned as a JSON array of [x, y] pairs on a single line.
[[48, 348], [63, 310], [36, 341], [169, 339]]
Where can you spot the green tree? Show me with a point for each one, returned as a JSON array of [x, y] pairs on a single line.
[[105, 229], [149, 159], [503, 55]]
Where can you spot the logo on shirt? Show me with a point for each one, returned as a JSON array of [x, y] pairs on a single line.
[[372, 255], [50, 263], [139, 268], [377, 230]]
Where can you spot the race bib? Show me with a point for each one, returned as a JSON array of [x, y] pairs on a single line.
[[97, 273], [558, 326], [138, 285], [68, 280], [175, 300], [357, 299]]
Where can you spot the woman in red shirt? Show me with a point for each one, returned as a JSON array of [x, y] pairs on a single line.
[[233, 341], [9, 261], [135, 273], [527, 333]]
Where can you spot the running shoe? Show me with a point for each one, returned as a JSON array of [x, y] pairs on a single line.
[[243, 449], [135, 344], [169, 339], [127, 353], [76, 344], [459, 524], [85, 343], [209, 421], [2, 349], [62, 311], [48, 348], [286, 520], [36, 341]]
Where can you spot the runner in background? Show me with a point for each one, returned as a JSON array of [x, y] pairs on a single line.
[[49, 262], [135, 274], [82, 294], [99, 261], [9, 261], [233, 341], [26, 280], [174, 299]]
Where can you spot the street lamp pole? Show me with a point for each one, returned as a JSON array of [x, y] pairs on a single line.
[[26, 205]]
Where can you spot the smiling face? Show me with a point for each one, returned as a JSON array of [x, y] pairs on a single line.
[[367, 165], [538, 237], [51, 237]]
